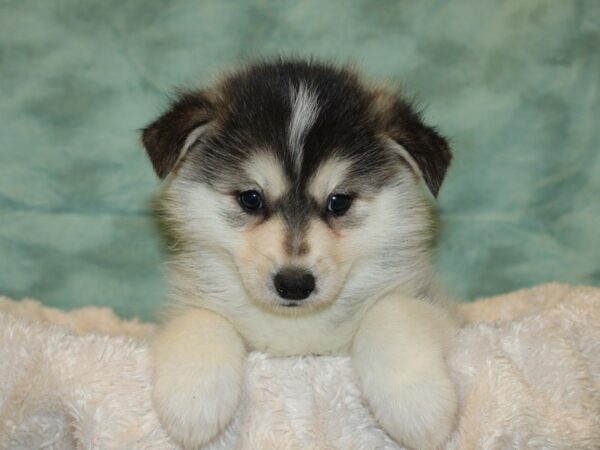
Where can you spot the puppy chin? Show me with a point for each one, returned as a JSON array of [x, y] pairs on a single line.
[[311, 305], [279, 306]]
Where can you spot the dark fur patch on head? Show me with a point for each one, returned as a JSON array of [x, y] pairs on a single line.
[[255, 107]]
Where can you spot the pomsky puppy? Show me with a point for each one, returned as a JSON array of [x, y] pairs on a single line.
[[301, 200]]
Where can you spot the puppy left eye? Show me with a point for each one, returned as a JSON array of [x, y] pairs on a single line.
[[251, 201], [339, 204]]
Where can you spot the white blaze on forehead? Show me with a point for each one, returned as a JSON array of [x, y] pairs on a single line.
[[267, 171], [328, 177], [305, 110]]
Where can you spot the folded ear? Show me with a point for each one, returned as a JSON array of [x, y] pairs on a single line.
[[423, 148], [169, 137]]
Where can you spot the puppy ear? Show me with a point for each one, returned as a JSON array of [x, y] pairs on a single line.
[[423, 148], [168, 138]]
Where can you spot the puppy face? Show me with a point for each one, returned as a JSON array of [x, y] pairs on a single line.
[[306, 188]]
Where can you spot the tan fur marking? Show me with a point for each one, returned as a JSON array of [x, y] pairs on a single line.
[[268, 173], [327, 178], [261, 253]]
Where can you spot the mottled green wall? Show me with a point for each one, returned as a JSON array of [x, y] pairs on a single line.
[[514, 83]]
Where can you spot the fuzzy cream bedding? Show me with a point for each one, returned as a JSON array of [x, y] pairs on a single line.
[[527, 367]]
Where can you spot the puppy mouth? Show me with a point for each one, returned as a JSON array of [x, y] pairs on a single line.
[[290, 304], [294, 307], [287, 304], [295, 303]]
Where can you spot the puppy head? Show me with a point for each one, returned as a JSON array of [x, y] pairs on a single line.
[[307, 186]]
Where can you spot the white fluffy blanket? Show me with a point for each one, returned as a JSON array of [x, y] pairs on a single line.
[[527, 367]]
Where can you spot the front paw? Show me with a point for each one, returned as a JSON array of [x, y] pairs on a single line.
[[198, 374], [195, 410], [419, 414], [398, 354]]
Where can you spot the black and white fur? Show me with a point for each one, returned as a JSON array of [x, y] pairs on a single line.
[[298, 133]]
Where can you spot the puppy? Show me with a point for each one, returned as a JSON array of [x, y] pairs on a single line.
[[301, 200]]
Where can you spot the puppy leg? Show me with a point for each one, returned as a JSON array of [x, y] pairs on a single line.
[[398, 354], [198, 369]]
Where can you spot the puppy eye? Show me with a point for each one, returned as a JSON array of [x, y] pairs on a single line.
[[251, 201], [339, 204]]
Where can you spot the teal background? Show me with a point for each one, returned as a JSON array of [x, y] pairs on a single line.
[[515, 84]]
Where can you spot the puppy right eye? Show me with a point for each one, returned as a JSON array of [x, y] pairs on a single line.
[[251, 201], [339, 204]]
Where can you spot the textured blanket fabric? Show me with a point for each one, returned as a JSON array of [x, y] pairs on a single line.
[[527, 366]]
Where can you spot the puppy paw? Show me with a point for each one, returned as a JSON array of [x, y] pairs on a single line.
[[398, 354], [195, 411], [198, 377], [420, 415]]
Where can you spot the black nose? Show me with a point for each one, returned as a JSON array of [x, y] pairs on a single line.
[[294, 284]]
